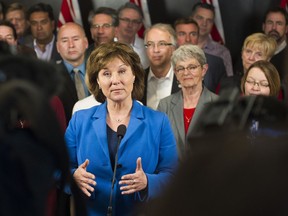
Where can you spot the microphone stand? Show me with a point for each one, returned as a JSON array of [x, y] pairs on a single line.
[[120, 136]]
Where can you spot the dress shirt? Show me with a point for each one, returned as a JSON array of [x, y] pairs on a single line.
[[158, 88], [46, 55], [217, 49], [281, 47], [82, 72]]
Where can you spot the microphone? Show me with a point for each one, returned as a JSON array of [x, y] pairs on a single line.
[[121, 130]]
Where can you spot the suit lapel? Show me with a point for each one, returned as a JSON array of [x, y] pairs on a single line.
[[177, 112], [99, 125], [136, 120], [204, 99]]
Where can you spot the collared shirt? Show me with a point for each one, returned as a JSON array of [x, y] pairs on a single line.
[[138, 47], [214, 48], [158, 88], [82, 72], [46, 55], [281, 47]]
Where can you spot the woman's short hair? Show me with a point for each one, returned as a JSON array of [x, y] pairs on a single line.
[[186, 52], [270, 73], [265, 43], [102, 56]]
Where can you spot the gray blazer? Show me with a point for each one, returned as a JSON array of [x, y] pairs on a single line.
[[173, 107]]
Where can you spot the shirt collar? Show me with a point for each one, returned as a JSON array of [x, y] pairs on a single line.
[[169, 75], [281, 47], [49, 44], [71, 67]]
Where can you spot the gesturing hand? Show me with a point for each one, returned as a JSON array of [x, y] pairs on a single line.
[[84, 179], [134, 182]]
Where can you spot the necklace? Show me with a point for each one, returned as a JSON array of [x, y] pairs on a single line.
[[188, 119], [118, 120]]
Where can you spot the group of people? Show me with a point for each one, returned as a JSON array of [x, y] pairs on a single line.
[[156, 87]]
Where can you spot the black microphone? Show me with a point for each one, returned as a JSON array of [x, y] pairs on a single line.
[[121, 130]]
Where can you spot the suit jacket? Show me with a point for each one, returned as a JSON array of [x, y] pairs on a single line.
[[280, 62], [215, 74], [175, 86], [149, 136], [55, 56], [68, 92], [173, 107]]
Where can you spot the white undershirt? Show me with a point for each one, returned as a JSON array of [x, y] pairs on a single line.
[[280, 47], [158, 88]]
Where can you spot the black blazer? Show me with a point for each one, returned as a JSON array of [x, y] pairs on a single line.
[[215, 74], [280, 62], [55, 56], [174, 89], [68, 92]]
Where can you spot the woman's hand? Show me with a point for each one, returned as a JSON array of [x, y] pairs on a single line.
[[134, 182], [84, 179]]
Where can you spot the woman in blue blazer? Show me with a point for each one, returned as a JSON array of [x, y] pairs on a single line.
[[147, 155]]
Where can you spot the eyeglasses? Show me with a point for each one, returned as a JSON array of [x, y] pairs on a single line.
[[133, 22], [189, 68], [104, 26], [160, 45], [263, 84]]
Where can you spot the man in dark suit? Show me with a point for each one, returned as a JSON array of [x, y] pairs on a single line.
[[72, 44], [187, 32], [42, 24], [276, 25], [160, 82]]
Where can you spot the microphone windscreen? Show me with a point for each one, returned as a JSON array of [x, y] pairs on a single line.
[[121, 130]]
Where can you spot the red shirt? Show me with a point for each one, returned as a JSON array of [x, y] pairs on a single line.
[[188, 115]]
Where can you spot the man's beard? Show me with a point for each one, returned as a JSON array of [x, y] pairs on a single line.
[[275, 35]]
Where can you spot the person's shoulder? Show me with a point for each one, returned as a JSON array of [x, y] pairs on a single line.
[[85, 103], [218, 46], [149, 112], [211, 94], [213, 58], [86, 113], [172, 98]]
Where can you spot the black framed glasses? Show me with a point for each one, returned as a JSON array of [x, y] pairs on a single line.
[[160, 45], [189, 68], [262, 83], [104, 26]]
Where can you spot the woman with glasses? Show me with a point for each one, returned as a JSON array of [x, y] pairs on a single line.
[[261, 78], [185, 106]]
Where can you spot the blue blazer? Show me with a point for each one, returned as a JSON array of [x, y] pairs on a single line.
[[149, 136]]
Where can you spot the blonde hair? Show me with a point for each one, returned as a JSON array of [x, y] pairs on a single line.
[[266, 44]]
